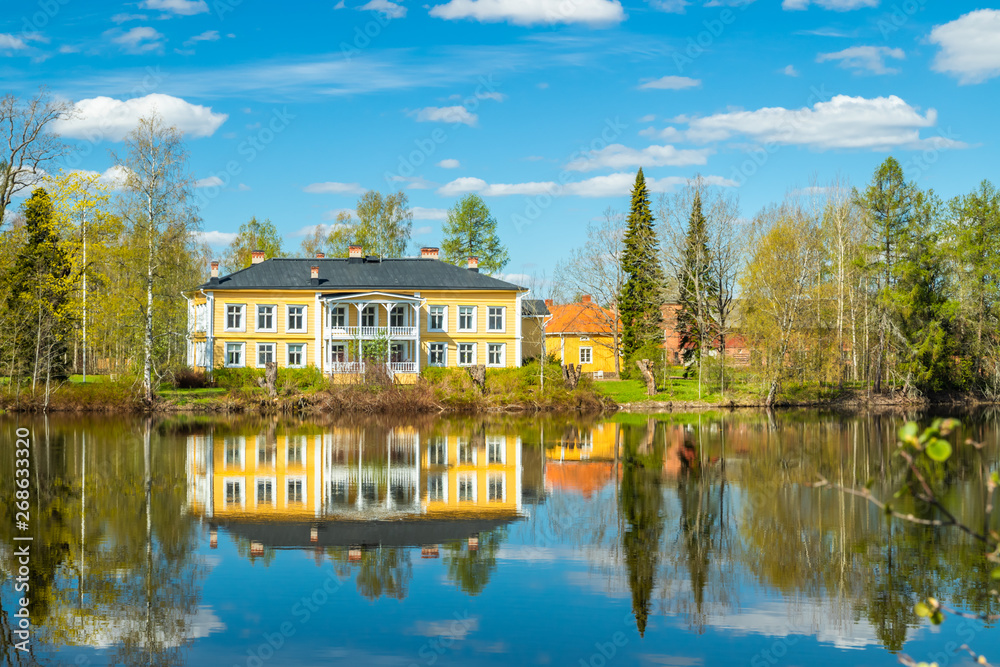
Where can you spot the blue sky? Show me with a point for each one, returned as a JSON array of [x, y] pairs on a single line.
[[545, 107]]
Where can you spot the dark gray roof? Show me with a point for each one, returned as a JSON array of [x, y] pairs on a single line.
[[341, 274], [534, 308]]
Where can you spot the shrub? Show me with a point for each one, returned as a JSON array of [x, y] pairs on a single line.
[[308, 379], [237, 378], [188, 378]]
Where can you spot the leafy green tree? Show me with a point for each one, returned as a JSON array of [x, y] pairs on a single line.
[[471, 231], [384, 223], [640, 299], [253, 235], [697, 288]]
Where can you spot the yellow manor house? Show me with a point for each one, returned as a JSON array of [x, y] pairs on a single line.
[[321, 312]]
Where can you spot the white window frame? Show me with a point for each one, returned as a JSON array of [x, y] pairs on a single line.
[[261, 446], [305, 318], [346, 349], [237, 482], [503, 318], [469, 477], [274, 318], [373, 311], [258, 350], [444, 354], [474, 317], [305, 489], [288, 352], [459, 354], [274, 485], [241, 443], [243, 317], [243, 354], [590, 355], [499, 443], [399, 309], [444, 319], [503, 355], [497, 476], [459, 442], [302, 440], [201, 353], [443, 478], [342, 312], [440, 441]]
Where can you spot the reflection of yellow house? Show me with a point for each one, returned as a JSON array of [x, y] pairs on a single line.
[[581, 460], [582, 334], [597, 443], [354, 475]]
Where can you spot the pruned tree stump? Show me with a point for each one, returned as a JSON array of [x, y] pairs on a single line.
[[270, 379], [478, 375], [646, 368], [571, 375]]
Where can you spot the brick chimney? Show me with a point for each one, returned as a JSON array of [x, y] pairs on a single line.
[[213, 538], [585, 298], [258, 256], [474, 264], [429, 253], [320, 255], [314, 275], [215, 271], [356, 251]]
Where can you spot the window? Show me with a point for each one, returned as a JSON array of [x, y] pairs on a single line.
[[495, 448], [234, 492], [339, 493], [495, 354], [265, 354], [234, 317], [369, 317], [234, 451], [338, 317], [200, 350], [234, 355], [338, 353], [296, 450], [586, 355], [437, 452], [466, 318], [466, 354], [296, 491], [496, 314], [265, 491], [397, 352], [438, 318], [467, 487], [265, 318], [297, 319], [437, 487], [466, 452], [437, 354], [397, 316], [296, 355], [495, 487], [266, 452]]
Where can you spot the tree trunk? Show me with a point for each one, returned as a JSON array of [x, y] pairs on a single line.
[[571, 375], [478, 375], [646, 368]]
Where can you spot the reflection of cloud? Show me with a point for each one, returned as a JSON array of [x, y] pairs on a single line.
[[669, 660], [455, 629], [104, 628]]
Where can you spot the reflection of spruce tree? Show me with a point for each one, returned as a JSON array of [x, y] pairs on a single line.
[[384, 571], [699, 515], [471, 569], [890, 600], [640, 504]]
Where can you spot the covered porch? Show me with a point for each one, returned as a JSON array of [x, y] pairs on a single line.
[[355, 324]]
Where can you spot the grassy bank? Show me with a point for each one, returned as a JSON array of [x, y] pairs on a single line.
[[306, 390]]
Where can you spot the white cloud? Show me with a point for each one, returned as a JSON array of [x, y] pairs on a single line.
[[137, 40], [179, 7], [9, 42], [107, 118], [835, 5], [970, 49], [388, 9], [456, 114], [421, 213], [613, 185], [331, 187], [125, 18], [421, 231], [617, 156], [450, 163], [670, 6], [243, 187], [842, 122], [790, 70], [207, 36], [209, 182], [864, 58], [648, 118], [496, 97], [532, 12], [671, 83], [215, 238]]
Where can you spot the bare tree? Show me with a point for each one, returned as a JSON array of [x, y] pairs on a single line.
[[596, 269], [27, 146]]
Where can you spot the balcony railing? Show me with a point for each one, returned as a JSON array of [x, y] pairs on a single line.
[[371, 332], [358, 367]]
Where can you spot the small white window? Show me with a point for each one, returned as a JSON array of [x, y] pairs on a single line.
[[495, 487], [466, 452], [437, 487], [496, 318], [496, 449], [265, 318], [266, 452], [265, 354], [466, 318], [586, 355], [437, 354], [234, 317], [265, 491], [369, 316], [234, 355], [397, 316], [296, 355], [297, 319], [234, 447], [438, 318], [466, 354], [338, 317], [338, 353], [495, 354], [200, 351], [295, 490], [437, 452], [295, 450], [234, 492], [467, 487]]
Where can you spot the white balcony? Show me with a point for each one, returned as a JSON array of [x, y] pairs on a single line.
[[358, 367], [368, 333]]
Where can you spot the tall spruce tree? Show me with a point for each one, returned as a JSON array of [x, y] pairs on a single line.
[[696, 289], [640, 300]]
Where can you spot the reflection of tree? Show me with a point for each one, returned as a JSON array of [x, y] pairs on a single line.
[[640, 502], [384, 571], [470, 569]]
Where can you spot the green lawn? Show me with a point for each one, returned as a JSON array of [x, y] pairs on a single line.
[[192, 396], [629, 391]]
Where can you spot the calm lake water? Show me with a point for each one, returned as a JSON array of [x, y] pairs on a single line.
[[668, 540]]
